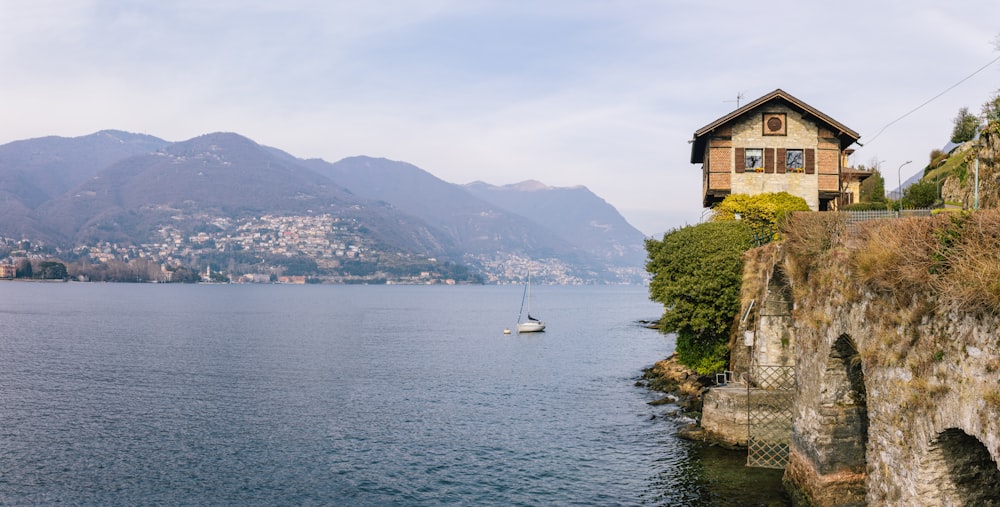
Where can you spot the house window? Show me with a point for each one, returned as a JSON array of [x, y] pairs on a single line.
[[754, 159], [794, 161]]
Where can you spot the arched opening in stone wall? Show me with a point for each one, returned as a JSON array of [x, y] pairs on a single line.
[[775, 338], [844, 404], [959, 471]]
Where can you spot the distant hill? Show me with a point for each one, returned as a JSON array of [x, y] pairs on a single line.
[[35, 171], [124, 190], [215, 175], [476, 225], [576, 214]]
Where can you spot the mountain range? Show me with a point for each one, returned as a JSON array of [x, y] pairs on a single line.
[[120, 188]]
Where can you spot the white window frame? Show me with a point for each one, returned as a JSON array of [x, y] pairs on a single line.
[[802, 161], [751, 162]]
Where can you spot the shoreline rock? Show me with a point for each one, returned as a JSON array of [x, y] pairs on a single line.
[[682, 385], [686, 389]]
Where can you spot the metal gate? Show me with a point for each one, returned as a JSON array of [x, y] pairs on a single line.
[[769, 415]]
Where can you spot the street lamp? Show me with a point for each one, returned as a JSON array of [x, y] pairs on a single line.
[[899, 179]]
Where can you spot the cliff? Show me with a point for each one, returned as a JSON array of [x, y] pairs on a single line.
[[956, 175], [891, 329]]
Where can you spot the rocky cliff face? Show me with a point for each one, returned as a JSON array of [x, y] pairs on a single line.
[[960, 187], [896, 399], [893, 337]]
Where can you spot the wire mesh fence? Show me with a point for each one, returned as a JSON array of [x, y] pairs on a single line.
[[769, 416], [768, 377], [881, 214]]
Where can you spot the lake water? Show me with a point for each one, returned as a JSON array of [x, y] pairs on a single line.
[[115, 394]]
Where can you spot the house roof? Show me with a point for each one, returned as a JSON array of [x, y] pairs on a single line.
[[844, 134], [850, 173]]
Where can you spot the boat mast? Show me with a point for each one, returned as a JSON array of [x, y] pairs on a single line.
[[525, 295], [527, 291]]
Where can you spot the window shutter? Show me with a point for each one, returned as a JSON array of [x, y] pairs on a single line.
[[741, 160], [769, 160], [780, 161], [810, 161]]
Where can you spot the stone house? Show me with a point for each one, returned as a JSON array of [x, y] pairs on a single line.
[[776, 143]]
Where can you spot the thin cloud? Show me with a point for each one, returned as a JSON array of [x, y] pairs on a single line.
[[587, 93]]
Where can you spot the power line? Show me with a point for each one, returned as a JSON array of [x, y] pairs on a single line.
[[932, 99]]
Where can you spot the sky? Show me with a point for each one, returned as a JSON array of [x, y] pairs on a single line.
[[604, 94]]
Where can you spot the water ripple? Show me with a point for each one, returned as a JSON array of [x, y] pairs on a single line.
[[274, 395]]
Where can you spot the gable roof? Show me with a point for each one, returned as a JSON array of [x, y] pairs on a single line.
[[844, 134]]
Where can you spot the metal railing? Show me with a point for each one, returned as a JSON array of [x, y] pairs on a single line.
[[881, 214]]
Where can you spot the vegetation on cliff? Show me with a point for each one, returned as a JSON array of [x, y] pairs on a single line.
[[915, 275], [953, 174], [764, 213], [697, 271], [953, 257], [696, 276]]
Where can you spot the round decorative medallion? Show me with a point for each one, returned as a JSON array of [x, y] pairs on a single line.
[[774, 124]]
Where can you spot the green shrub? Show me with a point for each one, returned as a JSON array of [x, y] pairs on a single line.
[[763, 213], [696, 274], [760, 210], [965, 125], [873, 189], [922, 194]]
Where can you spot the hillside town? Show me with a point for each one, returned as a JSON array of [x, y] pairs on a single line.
[[296, 249], [264, 249]]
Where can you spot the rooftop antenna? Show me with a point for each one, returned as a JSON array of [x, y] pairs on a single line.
[[739, 97]]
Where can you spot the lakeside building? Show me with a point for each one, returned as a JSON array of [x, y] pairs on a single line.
[[777, 143]]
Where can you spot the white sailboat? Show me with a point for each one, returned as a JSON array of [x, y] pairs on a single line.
[[532, 325]]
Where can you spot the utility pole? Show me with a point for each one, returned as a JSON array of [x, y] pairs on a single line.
[[975, 192], [899, 178]]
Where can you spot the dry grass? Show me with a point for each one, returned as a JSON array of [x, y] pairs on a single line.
[[917, 268], [972, 278], [758, 266], [895, 257], [923, 392], [993, 365], [808, 238], [954, 260], [992, 399]]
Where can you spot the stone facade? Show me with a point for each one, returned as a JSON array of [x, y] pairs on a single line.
[[801, 134], [774, 126], [724, 414], [896, 435], [896, 398], [765, 334], [726, 409]]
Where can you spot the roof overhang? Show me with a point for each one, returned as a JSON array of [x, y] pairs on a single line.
[[845, 135], [854, 174]]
